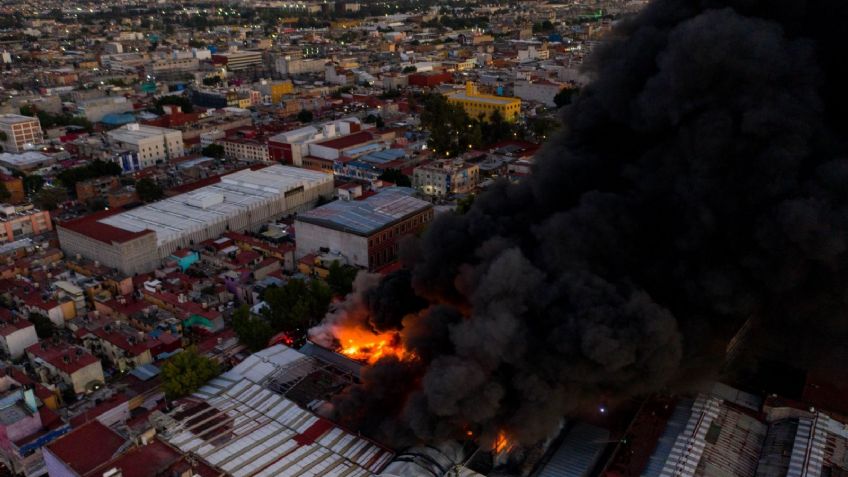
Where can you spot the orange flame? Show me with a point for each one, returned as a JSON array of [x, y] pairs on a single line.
[[364, 345], [501, 443]]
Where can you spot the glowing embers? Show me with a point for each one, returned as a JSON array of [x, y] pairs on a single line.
[[364, 345]]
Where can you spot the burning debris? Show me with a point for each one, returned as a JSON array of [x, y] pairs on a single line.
[[699, 183]]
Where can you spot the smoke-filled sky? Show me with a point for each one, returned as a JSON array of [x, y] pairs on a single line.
[[701, 180]]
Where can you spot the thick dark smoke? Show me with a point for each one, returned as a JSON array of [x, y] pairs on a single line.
[[701, 181]]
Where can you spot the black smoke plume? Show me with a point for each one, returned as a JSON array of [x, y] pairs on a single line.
[[700, 181]]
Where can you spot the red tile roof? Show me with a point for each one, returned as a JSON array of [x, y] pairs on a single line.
[[9, 323], [350, 140], [90, 227], [99, 409], [63, 356], [87, 447]]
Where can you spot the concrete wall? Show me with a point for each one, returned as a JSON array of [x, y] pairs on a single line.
[[311, 237], [55, 466], [92, 372], [15, 343], [138, 255]]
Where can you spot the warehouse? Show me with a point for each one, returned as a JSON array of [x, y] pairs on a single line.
[[135, 241], [366, 233], [250, 422]]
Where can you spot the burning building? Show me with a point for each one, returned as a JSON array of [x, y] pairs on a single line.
[[699, 186]]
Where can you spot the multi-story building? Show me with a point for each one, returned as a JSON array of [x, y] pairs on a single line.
[[445, 178], [238, 60], [366, 233], [152, 144], [298, 66], [538, 91], [19, 222], [19, 131], [245, 149], [273, 91], [70, 366], [483, 105], [24, 428], [291, 147], [138, 239], [16, 334]]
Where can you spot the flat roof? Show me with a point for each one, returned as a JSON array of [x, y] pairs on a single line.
[[483, 98], [15, 118], [367, 216], [232, 195], [134, 132], [24, 158]]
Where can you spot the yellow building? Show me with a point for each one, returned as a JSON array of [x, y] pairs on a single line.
[[280, 89], [477, 104]]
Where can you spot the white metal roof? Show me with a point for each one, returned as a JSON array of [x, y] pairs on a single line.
[[173, 217], [258, 433]]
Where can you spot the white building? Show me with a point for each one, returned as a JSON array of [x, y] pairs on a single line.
[[297, 66], [153, 144], [537, 91], [95, 109], [19, 131], [137, 240], [16, 334]]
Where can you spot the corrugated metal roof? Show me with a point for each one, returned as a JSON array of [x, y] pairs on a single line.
[[367, 216], [577, 453], [261, 434]]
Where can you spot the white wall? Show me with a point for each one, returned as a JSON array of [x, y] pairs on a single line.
[[16, 343], [311, 237]]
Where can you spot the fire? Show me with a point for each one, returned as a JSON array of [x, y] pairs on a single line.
[[501, 443], [365, 345]]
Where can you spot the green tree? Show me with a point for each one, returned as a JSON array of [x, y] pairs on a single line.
[[297, 305], [43, 325], [4, 193], [409, 69], [305, 116], [211, 81], [213, 150], [148, 190], [340, 278], [396, 177], [186, 372], [49, 198], [96, 168], [449, 125], [565, 96], [253, 331], [33, 183], [497, 128]]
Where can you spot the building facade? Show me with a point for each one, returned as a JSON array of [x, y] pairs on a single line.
[[152, 144], [484, 105], [138, 239], [19, 222], [445, 178], [18, 131], [366, 233]]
